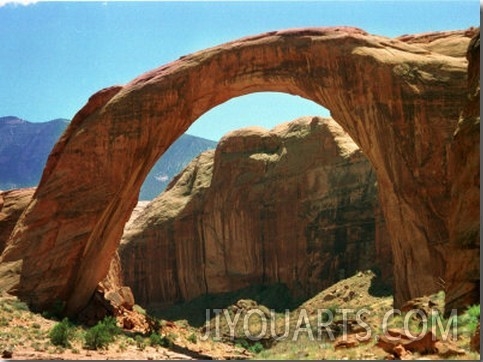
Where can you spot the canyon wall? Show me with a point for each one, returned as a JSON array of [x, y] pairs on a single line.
[[462, 277], [296, 205], [398, 99], [12, 204]]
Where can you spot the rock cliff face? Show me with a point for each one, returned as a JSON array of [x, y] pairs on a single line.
[[295, 205], [111, 296], [399, 101], [463, 272], [12, 204]]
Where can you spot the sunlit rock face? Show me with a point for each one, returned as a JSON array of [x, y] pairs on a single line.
[[12, 204], [399, 100], [296, 205]]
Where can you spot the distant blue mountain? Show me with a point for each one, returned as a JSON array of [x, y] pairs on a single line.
[[25, 146], [173, 161]]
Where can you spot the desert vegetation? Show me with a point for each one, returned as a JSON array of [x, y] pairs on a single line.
[[28, 335]]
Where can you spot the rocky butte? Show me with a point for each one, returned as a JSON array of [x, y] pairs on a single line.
[[297, 205], [399, 99]]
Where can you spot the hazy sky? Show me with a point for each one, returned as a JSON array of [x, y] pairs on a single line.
[[54, 55]]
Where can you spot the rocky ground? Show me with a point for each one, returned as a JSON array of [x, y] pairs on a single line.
[[310, 332]]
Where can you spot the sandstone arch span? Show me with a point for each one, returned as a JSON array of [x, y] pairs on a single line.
[[400, 102]]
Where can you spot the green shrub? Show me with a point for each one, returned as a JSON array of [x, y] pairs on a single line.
[[474, 312], [470, 318], [19, 305], [140, 342], [4, 321], [101, 334], [122, 347], [242, 343], [139, 309], [156, 340], [257, 347], [329, 313], [192, 338], [62, 333]]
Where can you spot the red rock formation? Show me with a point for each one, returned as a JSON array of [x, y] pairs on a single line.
[[400, 344], [112, 297], [399, 102], [12, 204], [442, 42], [462, 276], [294, 205]]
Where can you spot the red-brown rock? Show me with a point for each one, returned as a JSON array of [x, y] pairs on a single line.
[[400, 102], [462, 275], [395, 337], [401, 344], [346, 341], [475, 340], [12, 204], [294, 205]]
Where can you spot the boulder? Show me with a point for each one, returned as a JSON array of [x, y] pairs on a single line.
[[402, 345]]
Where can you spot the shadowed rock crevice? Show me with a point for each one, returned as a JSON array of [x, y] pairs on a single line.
[[399, 102]]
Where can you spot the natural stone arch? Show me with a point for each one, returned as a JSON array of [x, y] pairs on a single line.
[[398, 101]]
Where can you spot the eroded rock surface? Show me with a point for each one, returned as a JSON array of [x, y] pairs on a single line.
[[296, 205], [12, 204], [399, 101], [462, 277]]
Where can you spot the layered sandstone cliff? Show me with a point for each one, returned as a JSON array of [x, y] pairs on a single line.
[[296, 205], [12, 204], [462, 277], [111, 296], [399, 100]]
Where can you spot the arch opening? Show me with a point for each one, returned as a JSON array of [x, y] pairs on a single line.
[[294, 204], [264, 109]]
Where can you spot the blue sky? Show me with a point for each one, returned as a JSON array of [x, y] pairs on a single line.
[[54, 55]]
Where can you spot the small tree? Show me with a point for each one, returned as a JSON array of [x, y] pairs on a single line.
[[156, 340], [101, 334], [62, 333]]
